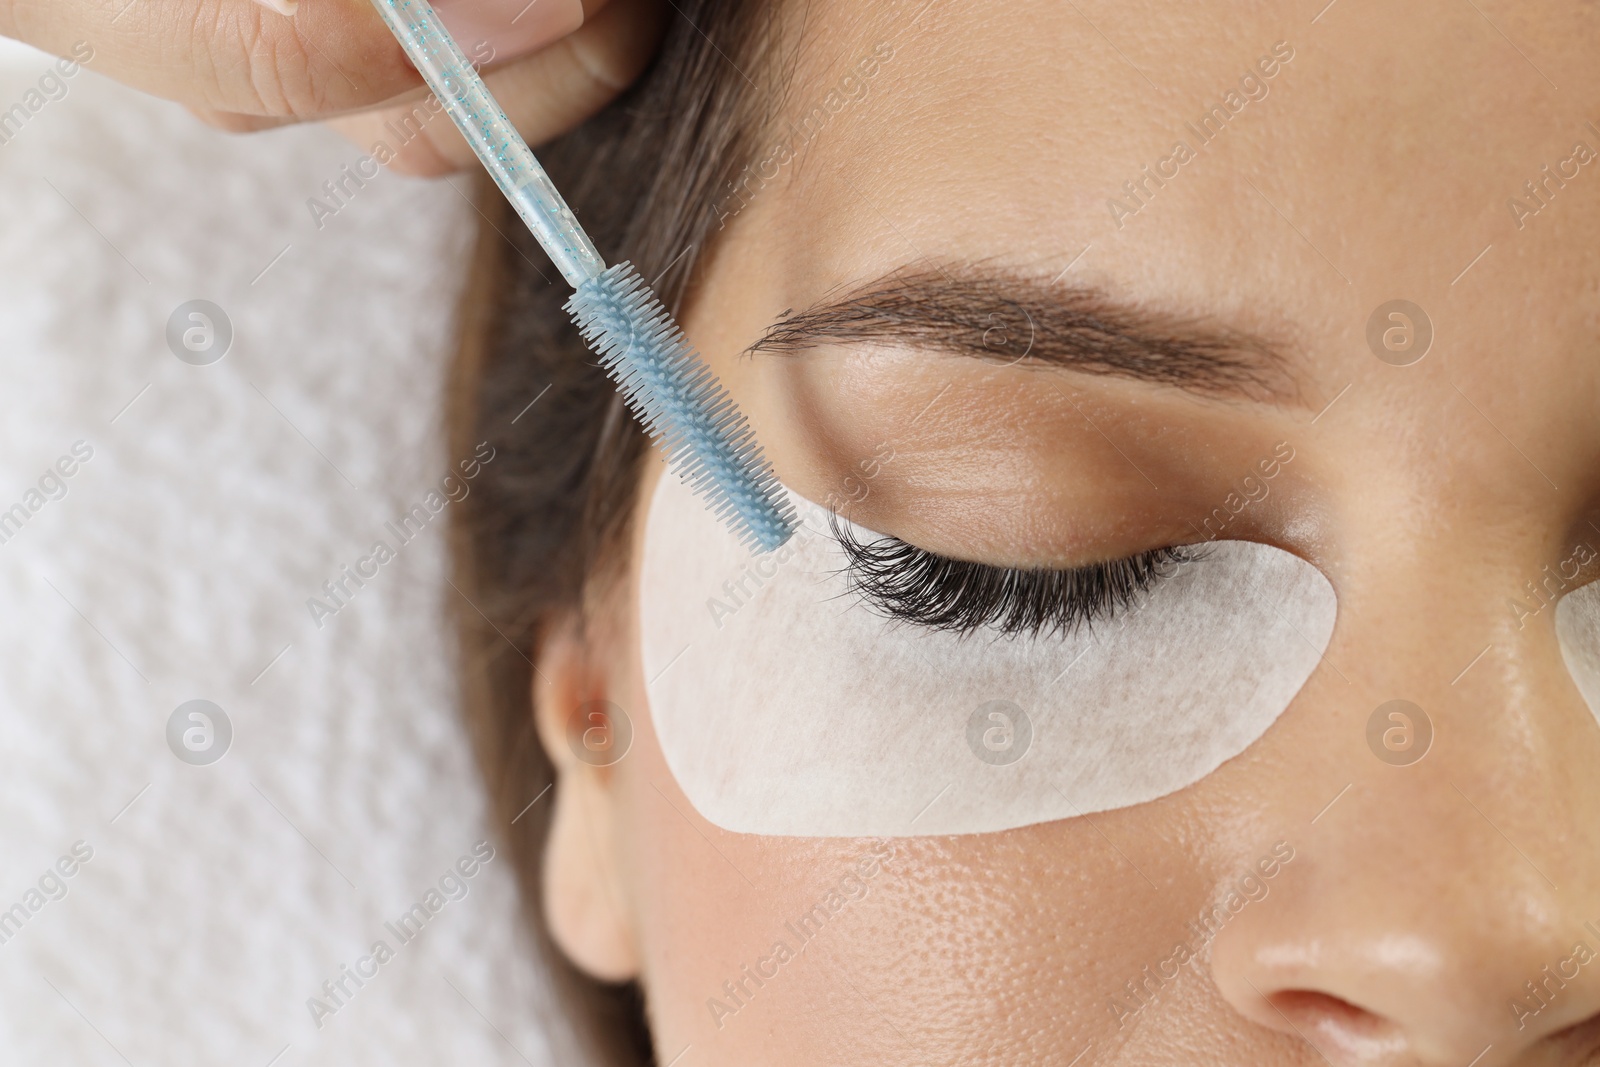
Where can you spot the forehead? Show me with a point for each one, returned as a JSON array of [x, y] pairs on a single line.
[[1263, 163]]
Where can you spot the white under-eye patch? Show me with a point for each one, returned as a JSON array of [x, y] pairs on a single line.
[[1578, 634], [786, 706]]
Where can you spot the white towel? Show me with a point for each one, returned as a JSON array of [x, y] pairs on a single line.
[[218, 499]]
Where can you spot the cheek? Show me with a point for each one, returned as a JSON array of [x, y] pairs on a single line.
[[904, 973]]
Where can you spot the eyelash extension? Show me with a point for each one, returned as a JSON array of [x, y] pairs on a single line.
[[910, 584]]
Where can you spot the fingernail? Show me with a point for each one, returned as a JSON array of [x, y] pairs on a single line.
[[491, 30], [282, 7]]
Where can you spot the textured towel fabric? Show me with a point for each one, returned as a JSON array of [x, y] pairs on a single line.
[[177, 566]]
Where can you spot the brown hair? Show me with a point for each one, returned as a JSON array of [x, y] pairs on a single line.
[[646, 178]]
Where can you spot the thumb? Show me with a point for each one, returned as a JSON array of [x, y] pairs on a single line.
[[509, 28], [544, 94], [226, 55], [233, 56]]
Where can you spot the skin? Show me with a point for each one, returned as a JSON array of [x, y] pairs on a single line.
[[1419, 898], [242, 67]]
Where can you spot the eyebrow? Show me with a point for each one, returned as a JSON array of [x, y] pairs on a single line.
[[1004, 317]]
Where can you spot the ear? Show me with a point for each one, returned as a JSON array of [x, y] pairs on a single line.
[[586, 903]]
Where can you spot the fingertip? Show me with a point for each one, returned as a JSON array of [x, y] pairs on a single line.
[[281, 7]]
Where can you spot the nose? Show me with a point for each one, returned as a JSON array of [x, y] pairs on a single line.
[[1444, 911]]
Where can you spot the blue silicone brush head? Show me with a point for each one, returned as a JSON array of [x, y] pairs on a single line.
[[679, 401]]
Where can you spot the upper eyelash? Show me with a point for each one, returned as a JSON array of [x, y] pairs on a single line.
[[910, 584]]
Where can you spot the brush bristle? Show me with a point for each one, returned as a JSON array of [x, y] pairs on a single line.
[[686, 410]]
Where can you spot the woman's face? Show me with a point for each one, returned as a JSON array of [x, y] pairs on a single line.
[[1332, 161]]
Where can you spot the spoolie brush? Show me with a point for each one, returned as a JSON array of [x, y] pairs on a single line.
[[665, 383]]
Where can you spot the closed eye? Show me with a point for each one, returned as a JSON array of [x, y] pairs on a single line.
[[910, 584]]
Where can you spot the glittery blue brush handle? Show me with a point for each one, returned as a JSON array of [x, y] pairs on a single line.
[[479, 116]]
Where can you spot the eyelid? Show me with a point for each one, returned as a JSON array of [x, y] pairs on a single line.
[[911, 584]]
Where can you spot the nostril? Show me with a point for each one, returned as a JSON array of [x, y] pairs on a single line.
[[1307, 1006], [1332, 1024]]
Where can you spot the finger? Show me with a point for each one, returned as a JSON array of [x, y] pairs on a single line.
[[544, 95], [232, 56], [233, 122], [509, 37], [224, 55], [513, 35], [489, 30]]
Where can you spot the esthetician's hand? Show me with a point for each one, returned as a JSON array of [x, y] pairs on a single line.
[[250, 64]]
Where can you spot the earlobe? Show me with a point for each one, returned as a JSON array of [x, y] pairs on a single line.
[[586, 905]]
